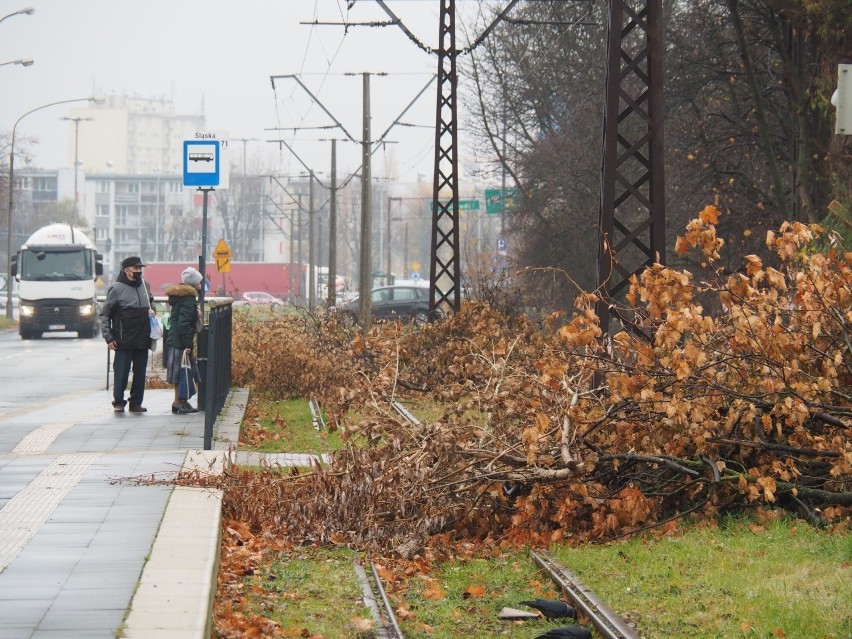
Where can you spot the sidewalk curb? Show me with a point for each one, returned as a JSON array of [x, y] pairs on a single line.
[[175, 595]]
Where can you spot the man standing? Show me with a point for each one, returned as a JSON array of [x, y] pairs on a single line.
[[126, 328]]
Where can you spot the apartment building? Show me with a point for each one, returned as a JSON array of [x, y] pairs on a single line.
[[131, 135]]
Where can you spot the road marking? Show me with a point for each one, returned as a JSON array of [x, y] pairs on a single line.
[[25, 513]]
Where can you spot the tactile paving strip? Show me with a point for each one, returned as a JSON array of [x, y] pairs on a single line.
[[40, 439], [25, 513]]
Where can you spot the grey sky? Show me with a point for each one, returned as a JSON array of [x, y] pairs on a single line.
[[222, 52]]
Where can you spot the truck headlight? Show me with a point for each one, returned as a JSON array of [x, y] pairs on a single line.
[[27, 311], [86, 310]]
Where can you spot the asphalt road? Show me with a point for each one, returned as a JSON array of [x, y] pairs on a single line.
[[34, 371]]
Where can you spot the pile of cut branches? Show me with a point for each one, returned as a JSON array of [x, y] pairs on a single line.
[[553, 431]]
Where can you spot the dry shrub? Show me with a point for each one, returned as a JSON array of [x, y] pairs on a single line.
[[289, 356], [550, 430]]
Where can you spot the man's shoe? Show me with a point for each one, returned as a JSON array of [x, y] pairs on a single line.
[[118, 408], [188, 407], [137, 408]]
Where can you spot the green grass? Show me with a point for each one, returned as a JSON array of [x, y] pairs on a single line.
[[291, 429], [7, 324], [782, 579], [463, 599], [310, 593]]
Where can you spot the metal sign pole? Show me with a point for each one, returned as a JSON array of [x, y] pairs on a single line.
[[202, 260]]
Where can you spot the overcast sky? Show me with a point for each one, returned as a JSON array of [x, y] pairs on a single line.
[[221, 53]]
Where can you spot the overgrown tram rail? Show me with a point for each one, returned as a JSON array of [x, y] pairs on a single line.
[[608, 623]]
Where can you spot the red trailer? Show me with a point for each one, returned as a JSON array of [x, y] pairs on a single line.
[[269, 277]]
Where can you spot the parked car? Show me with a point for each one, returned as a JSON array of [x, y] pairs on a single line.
[[407, 303], [259, 298]]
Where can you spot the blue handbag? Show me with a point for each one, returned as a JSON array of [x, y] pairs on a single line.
[[186, 378]]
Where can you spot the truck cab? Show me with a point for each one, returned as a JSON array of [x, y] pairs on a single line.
[[56, 271]]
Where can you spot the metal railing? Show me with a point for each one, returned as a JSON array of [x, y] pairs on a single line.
[[214, 362]]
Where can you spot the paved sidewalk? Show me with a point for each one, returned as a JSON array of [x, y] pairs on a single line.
[[95, 542]]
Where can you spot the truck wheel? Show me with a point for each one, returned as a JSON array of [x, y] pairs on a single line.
[[87, 333], [26, 334]]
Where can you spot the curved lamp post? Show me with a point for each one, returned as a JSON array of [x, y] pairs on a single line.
[[9, 279], [25, 62], [28, 11]]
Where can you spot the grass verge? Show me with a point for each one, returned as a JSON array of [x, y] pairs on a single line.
[[285, 426], [776, 579]]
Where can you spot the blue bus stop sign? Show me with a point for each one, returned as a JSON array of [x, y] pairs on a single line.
[[201, 163]]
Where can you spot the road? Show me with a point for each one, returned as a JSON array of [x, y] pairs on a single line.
[[36, 371]]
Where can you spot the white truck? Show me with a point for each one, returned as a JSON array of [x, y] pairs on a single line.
[[56, 271]]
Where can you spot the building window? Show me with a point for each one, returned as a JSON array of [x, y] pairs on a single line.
[[102, 210], [44, 184], [103, 187]]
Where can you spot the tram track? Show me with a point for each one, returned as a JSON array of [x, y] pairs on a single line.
[[376, 599], [607, 622], [317, 418]]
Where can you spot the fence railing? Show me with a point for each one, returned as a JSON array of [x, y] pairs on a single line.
[[214, 362]]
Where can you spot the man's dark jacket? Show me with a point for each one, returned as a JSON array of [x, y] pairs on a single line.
[[124, 314]]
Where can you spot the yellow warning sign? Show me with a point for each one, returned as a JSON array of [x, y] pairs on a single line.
[[222, 250], [223, 264]]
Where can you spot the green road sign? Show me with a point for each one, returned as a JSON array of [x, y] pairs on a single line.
[[494, 201], [464, 205]]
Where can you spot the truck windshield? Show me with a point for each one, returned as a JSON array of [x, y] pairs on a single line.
[[55, 264]]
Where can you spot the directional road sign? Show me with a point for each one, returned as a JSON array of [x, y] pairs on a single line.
[[465, 205], [496, 203]]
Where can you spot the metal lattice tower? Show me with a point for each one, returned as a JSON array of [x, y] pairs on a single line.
[[632, 214], [445, 271]]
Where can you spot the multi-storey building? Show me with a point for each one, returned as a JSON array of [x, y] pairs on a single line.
[[131, 135], [151, 215]]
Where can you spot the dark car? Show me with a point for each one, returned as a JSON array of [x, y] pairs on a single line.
[[407, 303]]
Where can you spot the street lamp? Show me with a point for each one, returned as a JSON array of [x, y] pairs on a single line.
[[12, 187], [76, 122], [24, 62], [28, 11]]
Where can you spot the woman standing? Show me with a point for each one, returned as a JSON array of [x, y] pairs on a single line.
[[183, 319]]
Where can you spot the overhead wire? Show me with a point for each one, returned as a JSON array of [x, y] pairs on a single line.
[[301, 117]]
